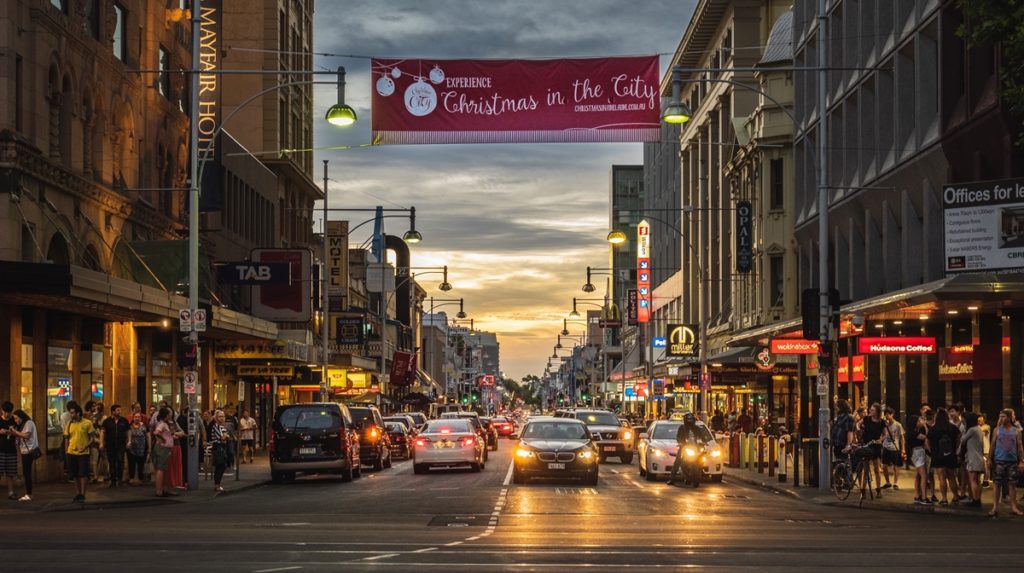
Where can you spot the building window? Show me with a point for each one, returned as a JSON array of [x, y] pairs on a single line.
[[61, 5], [120, 32], [164, 65], [19, 98], [58, 391], [162, 388], [777, 280], [26, 376], [91, 371], [777, 182], [92, 18]]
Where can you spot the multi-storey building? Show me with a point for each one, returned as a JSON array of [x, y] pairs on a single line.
[[910, 108], [93, 161]]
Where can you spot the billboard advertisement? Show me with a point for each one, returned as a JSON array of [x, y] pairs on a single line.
[[682, 340], [643, 271], [896, 345], [287, 302], [984, 226], [515, 101]]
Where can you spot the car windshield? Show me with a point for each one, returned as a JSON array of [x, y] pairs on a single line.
[[418, 417], [598, 418], [668, 432], [360, 414], [448, 427], [395, 427], [555, 431], [310, 419], [401, 421]]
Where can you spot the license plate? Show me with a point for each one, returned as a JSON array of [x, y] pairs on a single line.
[[307, 451], [609, 448], [556, 466], [440, 445]]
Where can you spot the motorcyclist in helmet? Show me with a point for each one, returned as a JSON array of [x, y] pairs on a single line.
[[686, 434]]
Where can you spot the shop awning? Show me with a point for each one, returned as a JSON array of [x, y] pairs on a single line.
[[416, 398], [624, 369], [428, 382], [353, 361], [741, 355], [78, 290]]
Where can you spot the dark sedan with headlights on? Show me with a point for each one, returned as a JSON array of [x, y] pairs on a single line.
[[555, 448]]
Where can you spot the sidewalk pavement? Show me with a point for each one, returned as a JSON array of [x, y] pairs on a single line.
[[56, 496], [901, 500]]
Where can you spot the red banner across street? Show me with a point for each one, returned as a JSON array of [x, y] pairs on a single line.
[[515, 101]]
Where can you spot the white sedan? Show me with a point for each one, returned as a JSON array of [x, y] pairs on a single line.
[[658, 449], [447, 443]]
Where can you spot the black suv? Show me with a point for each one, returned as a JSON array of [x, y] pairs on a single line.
[[314, 438], [614, 439], [374, 441]]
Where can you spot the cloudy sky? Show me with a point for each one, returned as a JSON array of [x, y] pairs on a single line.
[[517, 225]]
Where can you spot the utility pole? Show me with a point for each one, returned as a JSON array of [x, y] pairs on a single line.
[[325, 300], [193, 244], [824, 311]]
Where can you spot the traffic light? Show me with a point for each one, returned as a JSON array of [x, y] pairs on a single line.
[[810, 313], [465, 399], [188, 355], [585, 395], [476, 396]]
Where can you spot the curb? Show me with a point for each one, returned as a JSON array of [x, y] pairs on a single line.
[[774, 488], [55, 506], [241, 489], [903, 508]]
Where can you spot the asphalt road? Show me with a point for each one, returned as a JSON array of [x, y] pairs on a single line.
[[461, 521]]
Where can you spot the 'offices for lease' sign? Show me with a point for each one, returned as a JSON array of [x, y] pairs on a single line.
[[984, 225]]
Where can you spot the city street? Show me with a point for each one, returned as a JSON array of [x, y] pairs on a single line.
[[394, 520]]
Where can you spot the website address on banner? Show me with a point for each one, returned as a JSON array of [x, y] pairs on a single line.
[[610, 107]]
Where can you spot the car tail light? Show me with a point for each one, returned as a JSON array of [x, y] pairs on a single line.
[[420, 442], [468, 441], [399, 439], [271, 445], [374, 433]]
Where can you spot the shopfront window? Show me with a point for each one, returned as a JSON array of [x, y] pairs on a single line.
[[91, 371], [26, 376], [162, 381], [58, 391]]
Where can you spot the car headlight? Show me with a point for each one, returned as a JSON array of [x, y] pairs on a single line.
[[690, 452], [586, 455], [658, 453], [627, 435], [521, 453], [716, 453]]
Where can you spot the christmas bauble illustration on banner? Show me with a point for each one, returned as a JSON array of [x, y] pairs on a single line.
[[437, 75], [385, 86], [396, 73], [420, 98]]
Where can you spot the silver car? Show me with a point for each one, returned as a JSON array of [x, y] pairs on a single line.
[[448, 443], [658, 448]]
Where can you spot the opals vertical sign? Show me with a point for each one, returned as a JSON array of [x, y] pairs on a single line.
[[643, 271], [744, 237]]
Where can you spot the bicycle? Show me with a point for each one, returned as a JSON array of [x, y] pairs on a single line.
[[853, 469]]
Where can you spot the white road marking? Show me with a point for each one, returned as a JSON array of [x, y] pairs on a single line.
[[424, 550], [508, 476], [453, 543], [384, 556], [278, 569]]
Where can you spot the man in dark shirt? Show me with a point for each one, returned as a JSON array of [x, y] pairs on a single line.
[[687, 433], [113, 440], [744, 422], [8, 450], [718, 421]]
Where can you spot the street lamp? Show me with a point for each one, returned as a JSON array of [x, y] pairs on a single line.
[[341, 114], [676, 113], [616, 237]]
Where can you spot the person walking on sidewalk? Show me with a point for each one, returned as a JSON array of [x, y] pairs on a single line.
[[1006, 458], [918, 459], [873, 434], [219, 437], [28, 445], [137, 446], [942, 443], [113, 440], [247, 429], [894, 449], [80, 436], [8, 448], [163, 444], [986, 432], [972, 455]]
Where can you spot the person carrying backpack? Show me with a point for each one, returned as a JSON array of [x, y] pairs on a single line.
[[942, 444], [843, 429]]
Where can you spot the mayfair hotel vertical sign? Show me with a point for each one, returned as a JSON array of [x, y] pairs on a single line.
[[643, 271], [211, 182]]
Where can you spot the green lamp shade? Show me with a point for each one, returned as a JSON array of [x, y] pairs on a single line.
[[341, 115], [676, 113]]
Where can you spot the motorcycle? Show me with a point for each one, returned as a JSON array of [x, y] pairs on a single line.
[[694, 460]]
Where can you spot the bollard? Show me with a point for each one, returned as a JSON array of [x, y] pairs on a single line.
[[783, 458], [760, 441], [773, 445], [796, 460], [751, 452], [734, 450]]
